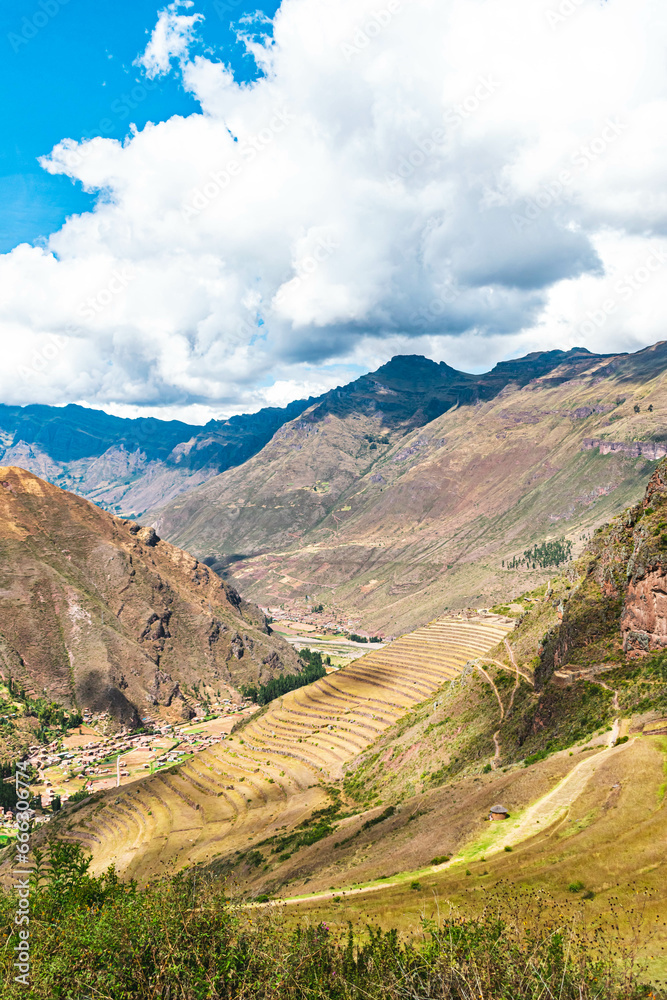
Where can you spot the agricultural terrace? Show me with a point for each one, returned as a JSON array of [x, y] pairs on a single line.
[[271, 775]]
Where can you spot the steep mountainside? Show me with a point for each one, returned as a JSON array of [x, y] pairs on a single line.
[[619, 609], [100, 613], [413, 489], [587, 661], [130, 465]]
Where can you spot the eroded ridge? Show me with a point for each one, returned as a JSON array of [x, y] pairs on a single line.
[[271, 774]]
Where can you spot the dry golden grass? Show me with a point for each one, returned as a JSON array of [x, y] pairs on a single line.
[[609, 834]]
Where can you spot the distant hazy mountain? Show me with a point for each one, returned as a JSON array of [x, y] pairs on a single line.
[[128, 466], [100, 613], [404, 492]]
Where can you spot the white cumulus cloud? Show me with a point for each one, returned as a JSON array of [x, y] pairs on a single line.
[[171, 39], [461, 178]]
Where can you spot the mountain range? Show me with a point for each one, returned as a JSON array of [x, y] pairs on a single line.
[[376, 785], [411, 490], [418, 488], [129, 465]]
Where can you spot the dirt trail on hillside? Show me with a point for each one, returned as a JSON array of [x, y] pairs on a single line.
[[616, 727], [496, 736], [536, 819], [291, 900], [495, 763], [547, 809], [510, 653], [514, 668], [495, 690], [496, 757]]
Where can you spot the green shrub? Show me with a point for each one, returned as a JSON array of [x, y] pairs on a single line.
[[181, 939], [79, 796], [389, 811]]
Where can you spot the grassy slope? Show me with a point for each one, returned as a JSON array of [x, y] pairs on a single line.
[[584, 808], [611, 838]]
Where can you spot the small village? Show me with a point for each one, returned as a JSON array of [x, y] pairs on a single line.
[[92, 758], [86, 760], [308, 616], [339, 639]]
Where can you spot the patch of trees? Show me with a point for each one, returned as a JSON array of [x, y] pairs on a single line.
[[353, 637], [53, 718], [544, 555], [313, 670], [7, 788]]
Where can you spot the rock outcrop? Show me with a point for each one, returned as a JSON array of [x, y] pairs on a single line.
[[653, 450], [618, 606]]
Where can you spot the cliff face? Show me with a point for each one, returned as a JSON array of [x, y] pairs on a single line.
[[618, 607], [98, 612], [644, 618], [633, 449]]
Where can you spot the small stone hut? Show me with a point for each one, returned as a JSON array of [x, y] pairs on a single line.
[[498, 812]]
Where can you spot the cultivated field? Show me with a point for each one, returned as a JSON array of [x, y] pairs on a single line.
[[268, 777]]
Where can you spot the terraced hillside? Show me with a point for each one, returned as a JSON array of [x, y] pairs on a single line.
[[270, 777]]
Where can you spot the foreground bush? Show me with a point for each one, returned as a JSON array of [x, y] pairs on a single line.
[[183, 940]]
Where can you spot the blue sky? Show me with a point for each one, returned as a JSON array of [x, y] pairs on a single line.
[[462, 179], [66, 72]]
